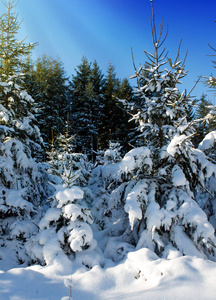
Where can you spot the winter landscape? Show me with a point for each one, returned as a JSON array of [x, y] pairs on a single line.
[[107, 189]]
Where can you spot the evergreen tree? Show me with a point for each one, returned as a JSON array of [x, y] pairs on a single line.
[[110, 107], [97, 106], [87, 106], [12, 51], [211, 80], [207, 197], [80, 106], [154, 186], [113, 154], [125, 92], [67, 223], [47, 83], [64, 228], [115, 124], [69, 166], [24, 180], [204, 107]]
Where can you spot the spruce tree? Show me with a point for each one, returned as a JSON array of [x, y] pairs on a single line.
[[80, 108], [66, 224], [49, 90], [154, 186], [128, 135], [24, 180], [12, 51], [110, 107], [97, 82], [211, 80], [87, 109], [204, 107], [115, 124]]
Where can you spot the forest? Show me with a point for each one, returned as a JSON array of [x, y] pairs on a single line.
[[101, 172]]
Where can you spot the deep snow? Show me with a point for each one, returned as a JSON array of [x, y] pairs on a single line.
[[141, 275]]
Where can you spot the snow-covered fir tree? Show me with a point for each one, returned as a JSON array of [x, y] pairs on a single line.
[[207, 197], [65, 163], [152, 203], [113, 154], [24, 180], [65, 227]]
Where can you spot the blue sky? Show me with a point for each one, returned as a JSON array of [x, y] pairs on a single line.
[[106, 30]]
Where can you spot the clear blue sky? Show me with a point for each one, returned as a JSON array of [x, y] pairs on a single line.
[[105, 30]]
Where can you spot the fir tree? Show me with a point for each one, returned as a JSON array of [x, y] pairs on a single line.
[[87, 107], [97, 106], [47, 83], [12, 51], [110, 107], [67, 223], [24, 180], [128, 135], [115, 124], [204, 107], [80, 106], [154, 186]]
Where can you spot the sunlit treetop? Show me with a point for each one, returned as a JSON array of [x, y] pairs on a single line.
[[12, 51]]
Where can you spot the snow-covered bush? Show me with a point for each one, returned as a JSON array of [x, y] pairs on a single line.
[[71, 167], [113, 154], [65, 227]]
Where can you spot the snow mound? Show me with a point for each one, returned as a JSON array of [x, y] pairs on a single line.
[[142, 275]]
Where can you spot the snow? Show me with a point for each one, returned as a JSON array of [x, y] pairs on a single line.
[[208, 141], [136, 158], [80, 235], [176, 141], [14, 198], [132, 206], [64, 195], [141, 275], [178, 176], [52, 214]]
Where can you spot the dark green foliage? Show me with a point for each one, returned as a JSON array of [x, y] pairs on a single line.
[[87, 106], [47, 84], [204, 127], [79, 112], [116, 126]]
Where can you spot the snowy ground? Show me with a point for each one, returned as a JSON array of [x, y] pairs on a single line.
[[141, 275]]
